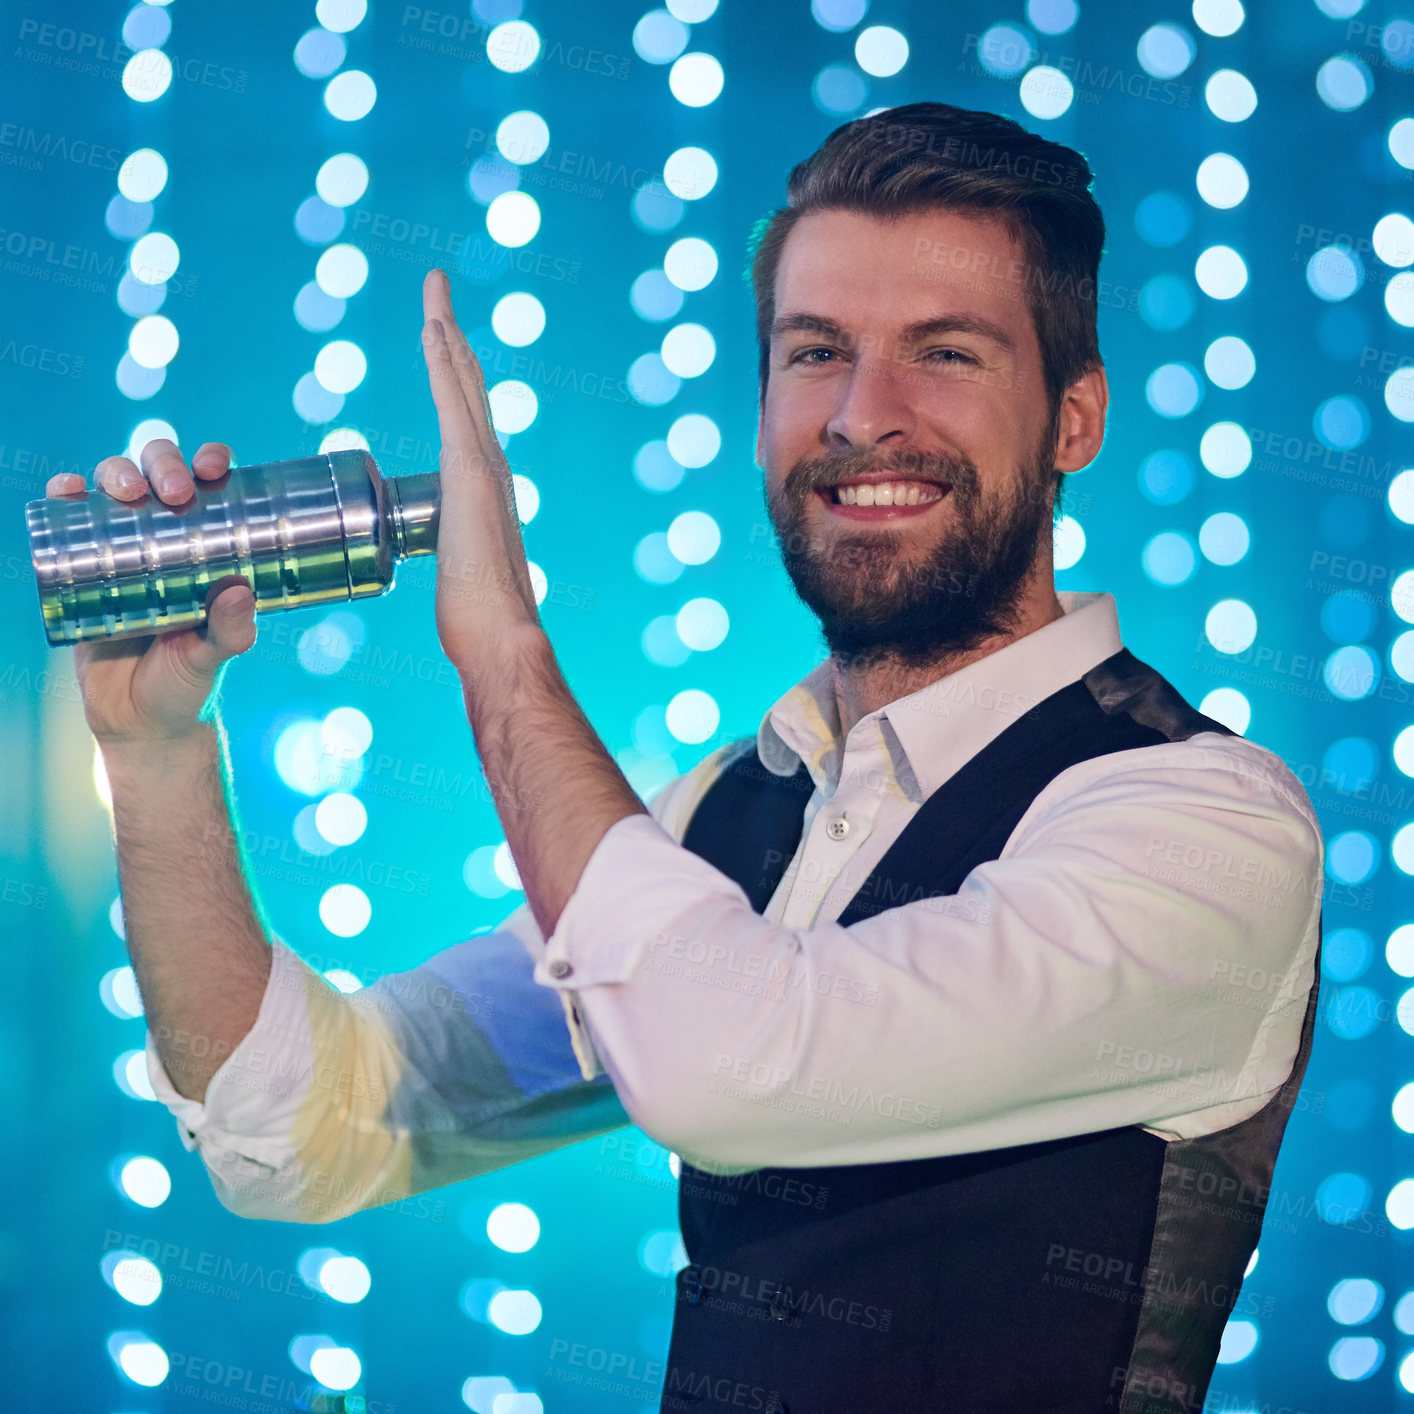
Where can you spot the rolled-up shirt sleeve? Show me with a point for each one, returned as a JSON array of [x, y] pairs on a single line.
[[1099, 973], [336, 1102]]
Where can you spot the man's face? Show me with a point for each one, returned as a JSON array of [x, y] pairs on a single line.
[[952, 421]]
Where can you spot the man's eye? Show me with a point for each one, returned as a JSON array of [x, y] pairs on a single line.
[[951, 356], [804, 355]]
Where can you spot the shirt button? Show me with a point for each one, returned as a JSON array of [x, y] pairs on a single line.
[[559, 968], [838, 828], [774, 1405]]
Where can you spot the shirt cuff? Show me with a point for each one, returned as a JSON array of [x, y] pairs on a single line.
[[252, 1099], [638, 881]]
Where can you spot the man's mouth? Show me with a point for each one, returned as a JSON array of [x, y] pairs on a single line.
[[882, 500]]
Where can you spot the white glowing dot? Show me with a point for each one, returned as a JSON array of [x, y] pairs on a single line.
[[130, 1072], [344, 980], [346, 733], [1230, 96], [513, 218], [694, 440], [1226, 449], [1229, 362], [153, 341], [514, 405], [513, 1227], [341, 271], [1228, 706], [1046, 92], [539, 583], [503, 865], [342, 179], [119, 992], [1230, 625], [1224, 538], [350, 95], [1343, 83], [702, 624], [514, 1312], [341, 818], [1401, 594], [1221, 272], [692, 716], [136, 1280], [690, 173], [154, 258], [335, 1367], [340, 16], [1399, 298], [1219, 18], [688, 350], [147, 75], [880, 51], [142, 175], [1399, 393], [522, 137], [346, 1279], [518, 319], [527, 498], [1222, 181], [694, 537], [692, 12], [1401, 142], [695, 80], [340, 366], [344, 910], [658, 38], [691, 263], [144, 1363], [1403, 1108], [1239, 1340], [513, 46], [1067, 542], [343, 439], [146, 1181], [1393, 239]]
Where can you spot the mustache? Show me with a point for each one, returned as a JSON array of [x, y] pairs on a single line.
[[820, 473]]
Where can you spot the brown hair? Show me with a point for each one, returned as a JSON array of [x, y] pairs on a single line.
[[922, 155]]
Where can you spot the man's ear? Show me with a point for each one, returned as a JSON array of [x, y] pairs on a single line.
[[1082, 420]]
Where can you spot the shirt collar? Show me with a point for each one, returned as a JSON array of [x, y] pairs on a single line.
[[930, 733]]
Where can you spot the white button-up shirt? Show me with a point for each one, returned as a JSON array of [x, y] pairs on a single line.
[[1140, 953]]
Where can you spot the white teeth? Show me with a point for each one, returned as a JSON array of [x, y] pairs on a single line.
[[888, 493]]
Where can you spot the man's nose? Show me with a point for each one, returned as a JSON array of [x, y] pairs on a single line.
[[876, 405]]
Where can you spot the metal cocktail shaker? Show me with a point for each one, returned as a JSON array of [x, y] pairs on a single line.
[[307, 531]]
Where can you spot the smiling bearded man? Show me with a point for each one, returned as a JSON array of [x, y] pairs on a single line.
[[879, 602]]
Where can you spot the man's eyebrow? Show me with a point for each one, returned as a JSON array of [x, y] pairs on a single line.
[[914, 333]]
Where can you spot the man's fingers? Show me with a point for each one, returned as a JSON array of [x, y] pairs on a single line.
[[119, 478], [64, 483], [437, 301], [461, 438], [212, 459], [167, 472]]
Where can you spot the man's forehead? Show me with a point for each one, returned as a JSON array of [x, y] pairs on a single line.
[[852, 267]]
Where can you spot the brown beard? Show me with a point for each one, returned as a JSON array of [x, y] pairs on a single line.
[[877, 602]]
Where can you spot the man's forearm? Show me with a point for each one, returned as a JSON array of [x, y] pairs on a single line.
[[201, 956], [557, 790]]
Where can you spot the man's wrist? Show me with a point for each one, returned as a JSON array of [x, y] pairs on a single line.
[[132, 757]]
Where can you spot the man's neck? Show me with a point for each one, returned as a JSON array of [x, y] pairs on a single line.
[[864, 687]]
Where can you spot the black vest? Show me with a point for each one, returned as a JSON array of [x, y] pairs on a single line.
[[1074, 1276]]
